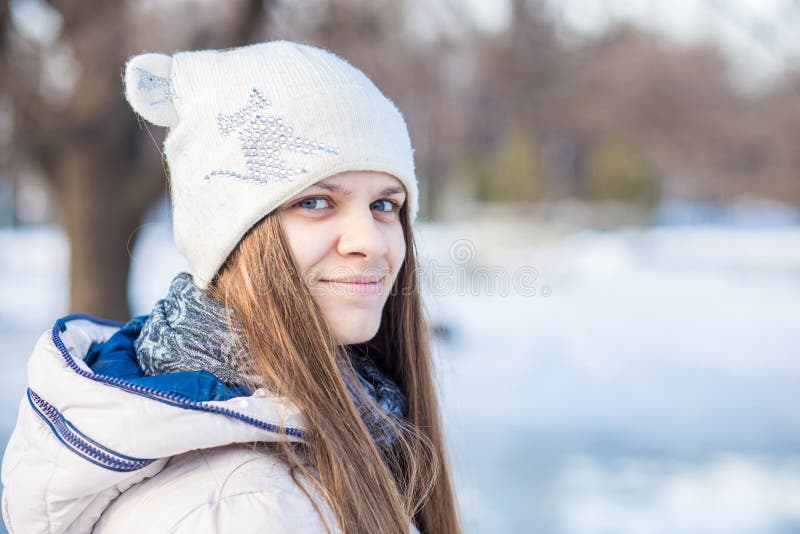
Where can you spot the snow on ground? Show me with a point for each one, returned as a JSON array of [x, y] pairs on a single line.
[[633, 381]]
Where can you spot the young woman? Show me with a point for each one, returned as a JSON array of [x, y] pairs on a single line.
[[284, 384]]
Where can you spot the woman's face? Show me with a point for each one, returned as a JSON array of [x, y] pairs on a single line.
[[346, 239]]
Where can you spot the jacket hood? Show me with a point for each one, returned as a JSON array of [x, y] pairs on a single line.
[[91, 424]]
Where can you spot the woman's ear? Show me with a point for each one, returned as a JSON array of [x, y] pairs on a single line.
[[149, 88]]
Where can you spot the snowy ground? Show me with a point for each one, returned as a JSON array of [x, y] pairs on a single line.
[[631, 381]]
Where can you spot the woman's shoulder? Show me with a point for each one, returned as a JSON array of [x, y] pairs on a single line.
[[234, 488]]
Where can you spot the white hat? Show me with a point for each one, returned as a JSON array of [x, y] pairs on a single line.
[[251, 127]]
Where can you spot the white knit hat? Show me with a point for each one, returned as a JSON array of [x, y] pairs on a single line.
[[251, 127]]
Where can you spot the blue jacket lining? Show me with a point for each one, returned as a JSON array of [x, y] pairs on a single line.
[[116, 357]]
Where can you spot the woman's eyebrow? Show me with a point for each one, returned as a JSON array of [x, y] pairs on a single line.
[[336, 188], [392, 190]]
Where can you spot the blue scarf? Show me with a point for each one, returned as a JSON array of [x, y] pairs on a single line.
[[188, 331]]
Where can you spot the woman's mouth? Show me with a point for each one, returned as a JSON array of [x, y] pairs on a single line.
[[350, 287]]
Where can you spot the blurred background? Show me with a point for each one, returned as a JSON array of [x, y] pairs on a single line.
[[609, 231]]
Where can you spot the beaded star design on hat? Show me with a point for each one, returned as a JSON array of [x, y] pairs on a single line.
[[263, 137]]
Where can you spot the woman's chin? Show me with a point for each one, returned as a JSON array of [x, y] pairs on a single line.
[[354, 331]]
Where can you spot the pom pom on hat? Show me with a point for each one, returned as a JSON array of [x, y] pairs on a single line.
[[148, 88]]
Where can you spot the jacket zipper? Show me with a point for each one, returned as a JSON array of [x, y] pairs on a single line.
[[173, 399], [82, 444]]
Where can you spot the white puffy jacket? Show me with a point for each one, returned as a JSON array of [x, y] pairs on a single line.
[[104, 451]]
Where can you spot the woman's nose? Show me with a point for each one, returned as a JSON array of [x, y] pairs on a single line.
[[361, 234]]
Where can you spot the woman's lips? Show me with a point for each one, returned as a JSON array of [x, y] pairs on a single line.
[[353, 288]]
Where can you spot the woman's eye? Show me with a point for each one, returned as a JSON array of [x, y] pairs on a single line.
[[320, 203], [388, 205], [312, 203]]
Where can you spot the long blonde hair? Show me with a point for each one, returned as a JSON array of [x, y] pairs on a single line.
[[293, 351]]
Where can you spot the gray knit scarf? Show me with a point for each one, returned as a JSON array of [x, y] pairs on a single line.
[[188, 331]]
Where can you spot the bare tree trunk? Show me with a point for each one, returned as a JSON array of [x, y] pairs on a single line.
[[100, 224], [103, 169]]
